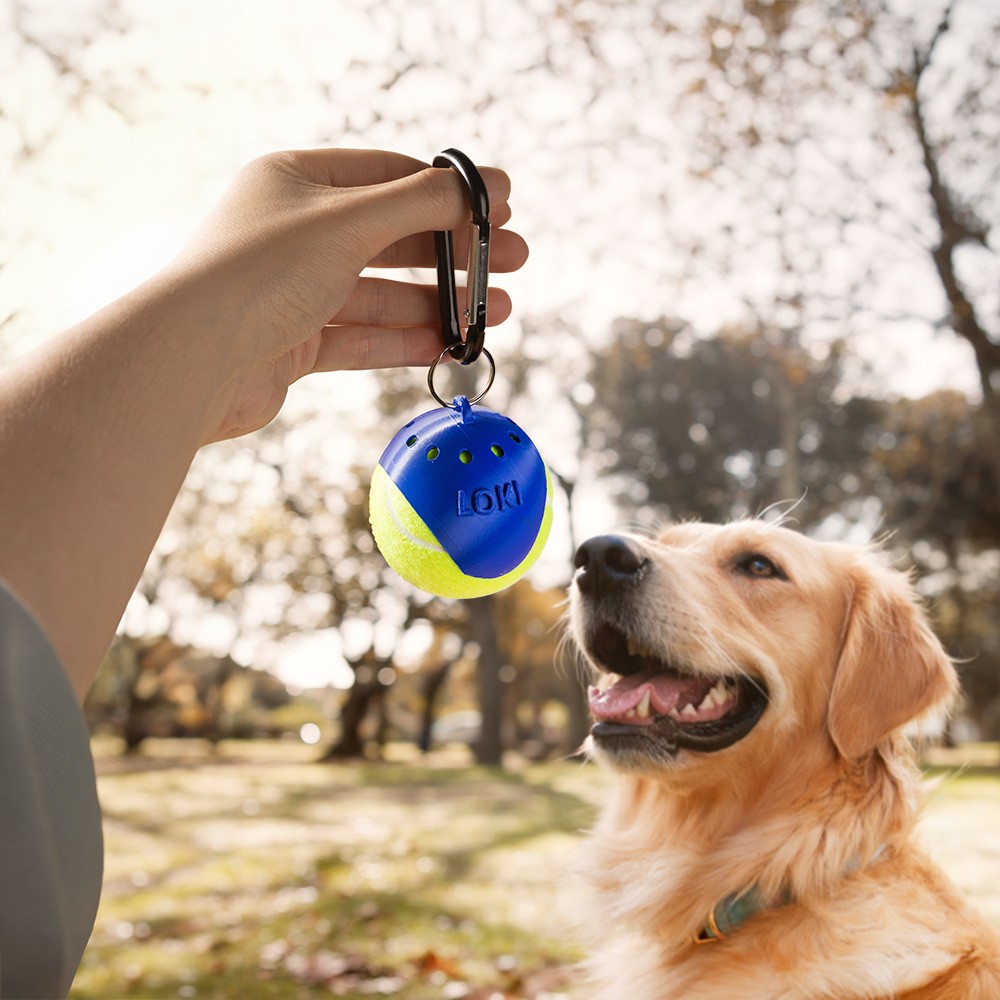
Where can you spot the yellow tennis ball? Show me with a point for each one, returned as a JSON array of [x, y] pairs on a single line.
[[411, 549]]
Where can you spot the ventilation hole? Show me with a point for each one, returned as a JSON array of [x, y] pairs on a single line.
[[465, 457], [411, 440], [497, 450], [514, 437], [432, 453]]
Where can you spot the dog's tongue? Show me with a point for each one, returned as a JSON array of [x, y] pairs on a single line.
[[666, 692]]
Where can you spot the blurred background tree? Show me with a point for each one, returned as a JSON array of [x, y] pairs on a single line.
[[764, 270]]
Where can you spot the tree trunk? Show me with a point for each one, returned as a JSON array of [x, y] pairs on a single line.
[[579, 714], [489, 687], [957, 226], [433, 685], [360, 701], [790, 477]]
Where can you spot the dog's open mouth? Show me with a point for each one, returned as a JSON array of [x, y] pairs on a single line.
[[652, 700]]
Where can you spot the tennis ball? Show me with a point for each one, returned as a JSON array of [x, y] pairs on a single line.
[[461, 502]]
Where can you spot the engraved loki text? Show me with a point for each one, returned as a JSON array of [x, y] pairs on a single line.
[[488, 500]]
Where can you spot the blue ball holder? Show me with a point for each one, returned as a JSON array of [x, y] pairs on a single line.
[[477, 482]]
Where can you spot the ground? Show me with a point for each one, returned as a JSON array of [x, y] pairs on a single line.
[[249, 871]]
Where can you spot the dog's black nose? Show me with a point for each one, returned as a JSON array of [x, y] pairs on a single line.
[[606, 562]]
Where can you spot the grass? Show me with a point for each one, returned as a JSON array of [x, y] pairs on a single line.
[[252, 872], [278, 877]]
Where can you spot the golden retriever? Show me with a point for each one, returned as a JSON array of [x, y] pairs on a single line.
[[752, 688]]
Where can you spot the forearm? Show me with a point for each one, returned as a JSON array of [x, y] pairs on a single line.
[[97, 430]]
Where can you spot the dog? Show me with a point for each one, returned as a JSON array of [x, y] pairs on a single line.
[[752, 690]]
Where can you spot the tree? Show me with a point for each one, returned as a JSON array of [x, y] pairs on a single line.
[[366, 697], [932, 473], [723, 427], [931, 470], [532, 641], [818, 179], [965, 219]]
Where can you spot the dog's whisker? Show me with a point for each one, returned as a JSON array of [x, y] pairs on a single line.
[[780, 517]]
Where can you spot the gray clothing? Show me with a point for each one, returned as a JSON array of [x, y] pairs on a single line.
[[51, 845]]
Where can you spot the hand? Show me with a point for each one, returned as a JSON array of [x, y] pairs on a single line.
[[279, 261], [98, 426]]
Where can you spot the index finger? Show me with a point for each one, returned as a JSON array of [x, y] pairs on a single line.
[[378, 217], [355, 167], [362, 167]]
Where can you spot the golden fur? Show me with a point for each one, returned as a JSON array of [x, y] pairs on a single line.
[[819, 799]]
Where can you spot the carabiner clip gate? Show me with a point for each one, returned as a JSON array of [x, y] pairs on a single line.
[[465, 349]]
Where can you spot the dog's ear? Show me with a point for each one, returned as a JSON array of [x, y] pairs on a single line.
[[892, 668]]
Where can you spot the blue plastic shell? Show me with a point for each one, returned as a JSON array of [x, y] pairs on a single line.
[[477, 482]]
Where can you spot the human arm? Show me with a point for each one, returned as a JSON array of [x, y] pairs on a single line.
[[98, 427]]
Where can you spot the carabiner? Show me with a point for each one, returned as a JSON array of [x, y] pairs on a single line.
[[465, 349]]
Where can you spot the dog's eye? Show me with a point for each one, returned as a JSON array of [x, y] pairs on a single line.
[[759, 567]]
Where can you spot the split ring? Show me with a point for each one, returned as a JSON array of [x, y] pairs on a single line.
[[474, 399]]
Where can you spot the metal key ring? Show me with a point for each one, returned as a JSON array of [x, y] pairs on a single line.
[[474, 399]]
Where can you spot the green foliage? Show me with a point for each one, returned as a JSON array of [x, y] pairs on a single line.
[[720, 427], [723, 427]]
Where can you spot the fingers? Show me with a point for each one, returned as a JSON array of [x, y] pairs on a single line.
[[391, 220], [397, 201], [391, 324], [367, 168], [354, 348], [354, 167], [508, 250], [379, 302]]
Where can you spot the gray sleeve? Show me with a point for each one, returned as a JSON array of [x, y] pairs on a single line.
[[51, 846]]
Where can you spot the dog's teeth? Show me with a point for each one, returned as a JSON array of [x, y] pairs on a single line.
[[636, 648], [642, 709], [720, 693], [688, 710]]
